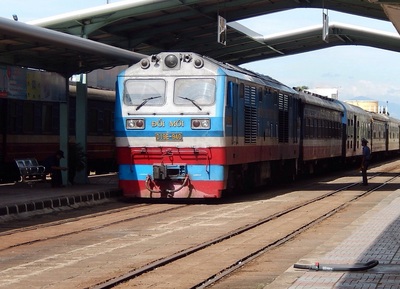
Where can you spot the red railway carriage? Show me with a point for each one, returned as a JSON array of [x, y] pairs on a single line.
[[31, 129]]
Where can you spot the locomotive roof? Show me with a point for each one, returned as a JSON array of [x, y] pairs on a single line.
[[236, 71]]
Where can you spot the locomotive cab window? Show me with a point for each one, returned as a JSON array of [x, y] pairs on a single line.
[[148, 92], [194, 92]]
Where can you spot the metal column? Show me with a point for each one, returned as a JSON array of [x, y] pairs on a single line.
[[81, 124], [64, 134]]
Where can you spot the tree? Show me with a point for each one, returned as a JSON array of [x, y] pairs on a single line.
[[302, 88]]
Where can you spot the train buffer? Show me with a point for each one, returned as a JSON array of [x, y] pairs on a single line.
[[30, 171]]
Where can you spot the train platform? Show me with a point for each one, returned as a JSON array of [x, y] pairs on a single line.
[[373, 236], [19, 199]]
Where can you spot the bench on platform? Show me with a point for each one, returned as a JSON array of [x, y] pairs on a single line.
[[30, 170]]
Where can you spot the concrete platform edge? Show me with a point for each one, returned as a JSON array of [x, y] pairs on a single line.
[[58, 202]]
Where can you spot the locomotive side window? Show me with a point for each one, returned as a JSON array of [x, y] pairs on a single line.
[[149, 92], [241, 91], [230, 94], [195, 92]]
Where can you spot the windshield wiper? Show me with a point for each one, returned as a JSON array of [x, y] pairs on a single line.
[[192, 101], [146, 100]]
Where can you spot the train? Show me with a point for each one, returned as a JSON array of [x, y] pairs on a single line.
[[31, 129], [188, 126]]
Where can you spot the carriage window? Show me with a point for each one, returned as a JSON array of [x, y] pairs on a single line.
[[47, 118], [108, 122], [150, 92], [94, 121], [196, 92], [28, 119]]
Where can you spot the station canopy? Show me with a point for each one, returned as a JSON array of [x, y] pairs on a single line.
[[132, 29]]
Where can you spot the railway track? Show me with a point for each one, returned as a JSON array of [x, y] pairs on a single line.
[[227, 240], [59, 229], [150, 245]]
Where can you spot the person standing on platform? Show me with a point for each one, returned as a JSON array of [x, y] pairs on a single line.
[[53, 167], [366, 155]]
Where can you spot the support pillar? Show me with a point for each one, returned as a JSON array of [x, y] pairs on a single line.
[[81, 124], [64, 133]]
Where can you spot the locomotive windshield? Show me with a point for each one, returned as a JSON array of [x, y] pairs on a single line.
[[197, 92], [139, 92]]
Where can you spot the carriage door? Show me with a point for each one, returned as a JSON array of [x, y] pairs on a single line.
[[387, 136], [355, 133], [232, 111], [398, 136]]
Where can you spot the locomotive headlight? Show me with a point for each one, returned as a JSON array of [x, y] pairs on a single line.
[[198, 63], [200, 123], [171, 60], [135, 123], [145, 63]]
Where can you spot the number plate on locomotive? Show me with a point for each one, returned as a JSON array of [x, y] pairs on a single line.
[[169, 136]]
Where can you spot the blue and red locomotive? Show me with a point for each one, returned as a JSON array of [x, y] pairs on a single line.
[[188, 126]]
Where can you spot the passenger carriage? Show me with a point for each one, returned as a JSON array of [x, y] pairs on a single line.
[[321, 131], [378, 136], [356, 125], [393, 135]]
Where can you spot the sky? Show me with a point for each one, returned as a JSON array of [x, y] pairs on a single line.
[[358, 72]]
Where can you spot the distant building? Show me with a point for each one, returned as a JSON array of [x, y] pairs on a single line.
[[368, 105], [328, 92]]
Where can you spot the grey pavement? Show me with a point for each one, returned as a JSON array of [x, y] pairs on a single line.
[[374, 236]]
